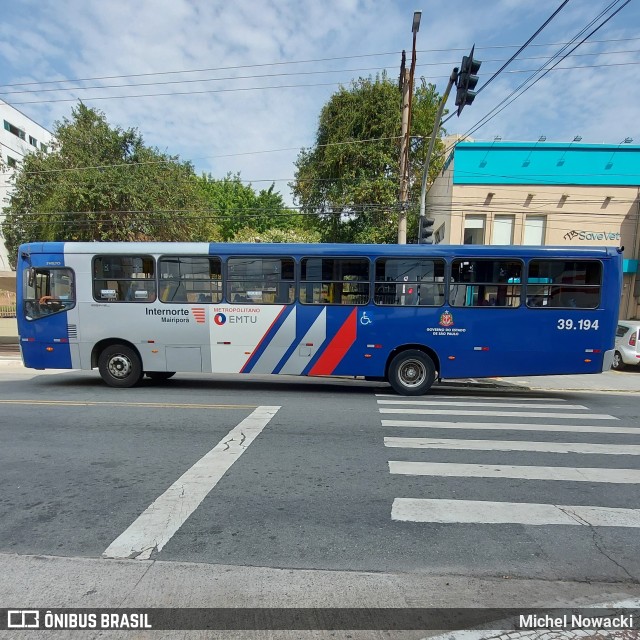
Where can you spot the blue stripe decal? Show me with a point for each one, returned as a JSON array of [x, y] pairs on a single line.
[[266, 341], [307, 315]]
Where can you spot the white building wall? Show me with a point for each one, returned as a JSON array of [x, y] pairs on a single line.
[[13, 148]]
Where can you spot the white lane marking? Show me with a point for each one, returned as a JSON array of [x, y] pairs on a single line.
[[394, 396], [156, 525], [571, 474], [513, 445], [457, 403], [485, 512], [489, 426], [503, 414]]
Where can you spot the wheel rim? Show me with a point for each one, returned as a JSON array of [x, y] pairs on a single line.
[[616, 360], [412, 373], [120, 366]]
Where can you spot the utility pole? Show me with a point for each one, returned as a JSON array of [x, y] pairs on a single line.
[[406, 86]]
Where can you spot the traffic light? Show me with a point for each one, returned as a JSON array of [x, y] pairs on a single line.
[[425, 232], [467, 80]]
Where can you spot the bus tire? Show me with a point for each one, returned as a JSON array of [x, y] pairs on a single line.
[[159, 376], [120, 366], [411, 373]]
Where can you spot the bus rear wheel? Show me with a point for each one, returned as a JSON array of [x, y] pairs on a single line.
[[159, 376], [617, 363], [411, 373], [120, 366]]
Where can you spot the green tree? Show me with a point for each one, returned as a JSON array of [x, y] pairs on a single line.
[[232, 206], [100, 183], [350, 178]]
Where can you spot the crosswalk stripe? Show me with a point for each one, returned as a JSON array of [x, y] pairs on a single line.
[[485, 512], [457, 403], [511, 445], [155, 526], [571, 474], [509, 426], [504, 414], [394, 396]]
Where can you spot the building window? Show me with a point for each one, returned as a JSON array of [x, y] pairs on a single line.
[[12, 163], [503, 229], [44, 148], [474, 229], [33, 142], [534, 230], [13, 129]]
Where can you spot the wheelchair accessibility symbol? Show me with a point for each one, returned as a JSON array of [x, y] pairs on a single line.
[[365, 319]]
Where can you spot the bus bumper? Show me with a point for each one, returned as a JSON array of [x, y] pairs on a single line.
[[607, 361]]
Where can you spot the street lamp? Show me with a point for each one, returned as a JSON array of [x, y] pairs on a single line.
[[416, 21], [415, 27]]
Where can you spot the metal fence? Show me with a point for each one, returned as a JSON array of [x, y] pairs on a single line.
[[7, 310]]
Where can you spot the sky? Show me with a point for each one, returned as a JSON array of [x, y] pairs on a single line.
[[237, 87]]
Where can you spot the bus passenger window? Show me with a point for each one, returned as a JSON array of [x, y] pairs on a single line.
[[409, 282], [485, 283], [190, 279], [260, 280], [124, 278], [334, 281], [562, 284]]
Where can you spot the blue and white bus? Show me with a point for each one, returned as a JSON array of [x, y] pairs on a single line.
[[408, 314]]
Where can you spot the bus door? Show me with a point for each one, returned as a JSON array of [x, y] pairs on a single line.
[[47, 339], [478, 333]]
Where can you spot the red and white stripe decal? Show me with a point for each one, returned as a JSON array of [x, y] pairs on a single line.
[[337, 348], [199, 314]]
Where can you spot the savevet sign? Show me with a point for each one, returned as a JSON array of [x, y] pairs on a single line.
[[591, 235]]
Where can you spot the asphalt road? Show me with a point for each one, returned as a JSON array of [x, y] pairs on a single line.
[[319, 487]]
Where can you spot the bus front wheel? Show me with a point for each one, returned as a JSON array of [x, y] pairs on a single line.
[[120, 366], [411, 373]]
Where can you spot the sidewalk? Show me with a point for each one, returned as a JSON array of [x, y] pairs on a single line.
[[57, 582]]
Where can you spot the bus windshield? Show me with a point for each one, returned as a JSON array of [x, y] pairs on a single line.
[[47, 291]]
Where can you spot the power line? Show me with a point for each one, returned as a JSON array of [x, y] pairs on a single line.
[[269, 87], [280, 86], [290, 62], [293, 73], [169, 161], [523, 47], [491, 114], [507, 101]]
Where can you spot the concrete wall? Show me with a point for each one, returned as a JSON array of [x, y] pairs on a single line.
[[8, 331]]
